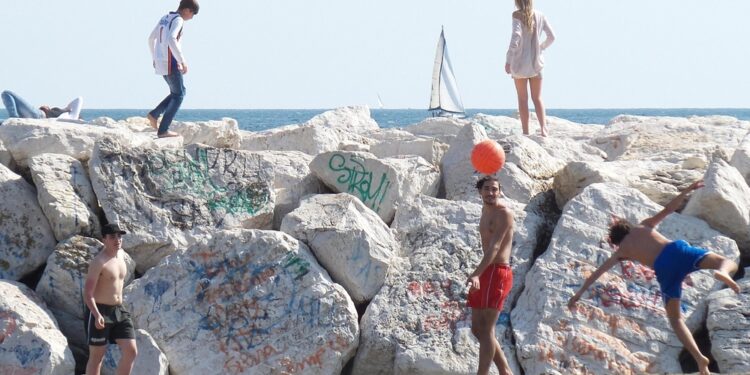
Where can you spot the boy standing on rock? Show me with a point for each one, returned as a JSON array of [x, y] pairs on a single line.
[[168, 61], [672, 261], [107, 320], [492, 280]]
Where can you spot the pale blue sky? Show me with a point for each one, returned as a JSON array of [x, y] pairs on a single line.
[[329, 53]]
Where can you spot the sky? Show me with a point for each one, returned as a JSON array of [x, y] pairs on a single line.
[[319, 54]]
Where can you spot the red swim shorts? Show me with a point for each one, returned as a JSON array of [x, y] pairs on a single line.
[[494, 285]]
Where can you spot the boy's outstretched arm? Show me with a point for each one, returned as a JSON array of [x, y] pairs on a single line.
[[609, 263], [672, 206]]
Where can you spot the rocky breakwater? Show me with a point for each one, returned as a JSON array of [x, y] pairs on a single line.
[[369, 279]]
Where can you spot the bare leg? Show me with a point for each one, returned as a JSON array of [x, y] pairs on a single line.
[[483, 327], [535, 84], [523, 103], [724, 267], [152, 121], [129, 352], [96, 355], [681, 330]]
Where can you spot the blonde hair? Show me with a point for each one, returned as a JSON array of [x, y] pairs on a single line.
[[526, 7]]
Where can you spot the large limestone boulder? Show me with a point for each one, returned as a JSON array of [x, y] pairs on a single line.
[[356, 119], [26, 138], [348, 239], [724, 203], [619, 325], [166, 197], [292, 180], [150, 359], [31, 342], [26, 239], [740, 158], [559, 129], [311, 140], [6, 158], [444, 129], [394, 142], [531, 157], [672, 139], [661, 181], [331, 130], [219, 134], [459, 176], [65, 195], [729, 327], [381, 184], [61, 285], [246, 302], [419, 323], [570, 150]]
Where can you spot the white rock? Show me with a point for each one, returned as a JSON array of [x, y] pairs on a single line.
[[61, 285], [246, 302], [166, 197], [530, 157], [443, 129], [418, 323], [292, 180], [352, 118], [31, 342], [724, 203], [65, 195], [149, 361], [6, 158], [661, 181], [311, 140], [620, 324], [740, 158], [570, 150], [381, 184], [459, 175], [729, 327], [576, 176], [670, 139], [348, 239], [220, 134], [26, 138], [26, 239], [393, 142]]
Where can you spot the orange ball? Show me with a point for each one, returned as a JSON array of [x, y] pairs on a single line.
[[487, 157]]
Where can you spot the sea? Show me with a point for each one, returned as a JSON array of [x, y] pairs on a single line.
[[263, 119]]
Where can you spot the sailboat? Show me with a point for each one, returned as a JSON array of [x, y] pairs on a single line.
[[380, 102], [445, 100]]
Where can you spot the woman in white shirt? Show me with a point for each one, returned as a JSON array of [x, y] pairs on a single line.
[[524, 60], [20, 108]]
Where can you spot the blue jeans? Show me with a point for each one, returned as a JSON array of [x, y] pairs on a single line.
[[17, 107], [171, 103]]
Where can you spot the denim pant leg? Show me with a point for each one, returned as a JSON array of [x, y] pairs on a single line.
[[17, 107], [172, 102]]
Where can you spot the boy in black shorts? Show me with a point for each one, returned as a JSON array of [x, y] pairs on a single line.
[[107, 321]]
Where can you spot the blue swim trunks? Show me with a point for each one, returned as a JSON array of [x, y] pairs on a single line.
[[676, 260]]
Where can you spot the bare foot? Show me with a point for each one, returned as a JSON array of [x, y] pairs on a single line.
[[726, 279], [168, 134], [151, 121], [703, 365], [544, 132]]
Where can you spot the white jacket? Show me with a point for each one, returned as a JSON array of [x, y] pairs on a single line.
[[164, 43], [525, 50]]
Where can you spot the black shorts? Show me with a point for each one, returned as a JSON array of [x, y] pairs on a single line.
[[117, 325]]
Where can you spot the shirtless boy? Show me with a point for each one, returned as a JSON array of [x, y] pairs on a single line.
[[670, 260], [108, 322], [492, 280]]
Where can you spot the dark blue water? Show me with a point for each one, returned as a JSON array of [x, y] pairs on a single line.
[[262, 119]]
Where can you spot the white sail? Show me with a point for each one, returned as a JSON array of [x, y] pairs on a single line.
[[445, 96], [380, 102]]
